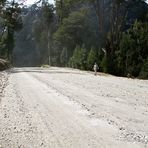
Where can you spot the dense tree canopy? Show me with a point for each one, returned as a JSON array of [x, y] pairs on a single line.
[[11, 21], [78, 33]]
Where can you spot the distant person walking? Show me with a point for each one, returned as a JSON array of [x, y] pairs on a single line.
[[95, 68]]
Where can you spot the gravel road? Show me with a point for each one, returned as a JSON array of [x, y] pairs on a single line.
[[65, 108], [3, 82]]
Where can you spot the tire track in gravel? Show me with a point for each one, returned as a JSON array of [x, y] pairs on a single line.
[[39, 114], [124, 134]]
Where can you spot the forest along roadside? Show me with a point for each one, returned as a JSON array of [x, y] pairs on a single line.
[[66, 108]]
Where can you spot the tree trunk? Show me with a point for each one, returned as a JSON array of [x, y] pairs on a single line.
[[48, 47]]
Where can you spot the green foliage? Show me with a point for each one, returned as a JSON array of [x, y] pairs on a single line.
[[79, 58], [126, 51], [70, 32], [92, 58], [47, 11], [127, 45], [4, 64], [75, 60], [64, 57], [144, 70], [104, 64], [65, 7], [11, 22], [43, 30], [58, 35], [84, 58], [133, 49]]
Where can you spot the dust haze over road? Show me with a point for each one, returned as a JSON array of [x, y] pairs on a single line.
[[65, 108]]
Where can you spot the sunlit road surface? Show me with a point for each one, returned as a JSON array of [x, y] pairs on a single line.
[[65, 108]]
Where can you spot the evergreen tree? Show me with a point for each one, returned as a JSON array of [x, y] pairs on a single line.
[[63, 57], [92, 58], [75, 60], [144, 70], [43, 30], [133, 49], [83, 58], [12, 21]]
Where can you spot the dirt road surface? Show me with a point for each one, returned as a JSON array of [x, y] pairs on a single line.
[[65, 108]]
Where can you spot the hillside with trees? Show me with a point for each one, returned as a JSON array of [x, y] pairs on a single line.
[[76, 33], [10, 22]]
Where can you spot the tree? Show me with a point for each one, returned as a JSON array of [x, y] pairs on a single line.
[[65, 7], [92, 58], [79, 58], [83, 57], [133, 49], [70, 33], [75, 60], [48, 13], [12, 22], [127, 45], [43, 29], [63, 57], [144, 70], [99, 9]]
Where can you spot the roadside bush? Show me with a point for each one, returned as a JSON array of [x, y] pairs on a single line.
[[4, 64]]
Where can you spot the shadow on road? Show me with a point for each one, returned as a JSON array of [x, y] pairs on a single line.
[[44, 70]]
